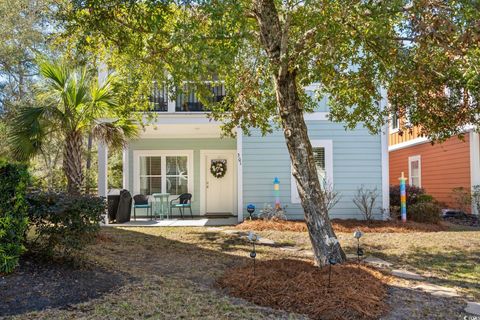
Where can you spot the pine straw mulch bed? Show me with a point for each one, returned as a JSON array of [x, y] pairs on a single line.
[[356, 292], [349, 225]]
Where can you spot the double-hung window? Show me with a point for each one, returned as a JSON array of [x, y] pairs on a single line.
[[176, 174], [323, 157], [150, 175], [394, 122], [415, 171], [159, 172]]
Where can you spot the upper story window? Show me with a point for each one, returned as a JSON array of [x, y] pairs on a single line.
[[394, 122]]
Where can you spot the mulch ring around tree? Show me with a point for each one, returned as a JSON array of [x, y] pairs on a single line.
[[347, 225], [356, 292], [37, 285]]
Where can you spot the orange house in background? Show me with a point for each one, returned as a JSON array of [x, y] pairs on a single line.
[[437, 168]]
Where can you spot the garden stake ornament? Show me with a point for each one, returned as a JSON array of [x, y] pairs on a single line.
[[357, 235], [253, 254], [276, 191], [403, 197], [250, 210]]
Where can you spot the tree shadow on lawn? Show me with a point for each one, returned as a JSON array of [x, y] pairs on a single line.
[[120, 257], [200, 256], [37, 285], [232, 242]]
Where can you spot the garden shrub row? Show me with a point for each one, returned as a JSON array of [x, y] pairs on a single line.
[[14, 180]]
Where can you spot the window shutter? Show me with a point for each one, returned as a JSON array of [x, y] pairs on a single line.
[[319, 157]]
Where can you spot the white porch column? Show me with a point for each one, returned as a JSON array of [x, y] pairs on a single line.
[[171, 104], [102, 169], [385, 161], [474, 163], [125, 172], [240, 174]]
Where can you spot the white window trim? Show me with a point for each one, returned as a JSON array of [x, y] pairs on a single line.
[[410, 160], [160, 153], [328, 145]]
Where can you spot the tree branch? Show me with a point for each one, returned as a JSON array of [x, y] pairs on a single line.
[[301, 44]]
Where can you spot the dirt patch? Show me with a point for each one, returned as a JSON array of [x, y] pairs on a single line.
[[356, 292], [348, 226], [37, 285]]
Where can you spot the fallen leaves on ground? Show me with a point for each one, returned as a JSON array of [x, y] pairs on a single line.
[[348, 225]]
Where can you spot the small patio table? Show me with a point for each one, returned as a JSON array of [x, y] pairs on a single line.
[[160, 204]]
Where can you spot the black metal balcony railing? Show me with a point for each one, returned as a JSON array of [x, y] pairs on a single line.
[[188, 101], [159, 98]]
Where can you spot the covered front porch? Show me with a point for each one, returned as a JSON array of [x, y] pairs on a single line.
[[176, 156]]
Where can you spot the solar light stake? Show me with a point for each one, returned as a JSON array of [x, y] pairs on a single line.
[[253, 254], [331, 262], [357, 235]]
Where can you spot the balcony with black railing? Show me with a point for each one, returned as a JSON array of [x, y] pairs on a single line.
[[187, 101], [159, 98]]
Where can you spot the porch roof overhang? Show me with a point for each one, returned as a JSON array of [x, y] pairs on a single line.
[[181, 131]]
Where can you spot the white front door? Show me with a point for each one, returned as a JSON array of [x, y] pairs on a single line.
[[220, 191]]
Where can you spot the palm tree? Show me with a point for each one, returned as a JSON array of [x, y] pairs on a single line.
[[71, 104]]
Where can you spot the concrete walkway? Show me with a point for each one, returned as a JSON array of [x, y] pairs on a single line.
[[472, 307], [196, 222]]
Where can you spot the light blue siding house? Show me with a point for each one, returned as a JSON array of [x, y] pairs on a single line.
[[175, 155]]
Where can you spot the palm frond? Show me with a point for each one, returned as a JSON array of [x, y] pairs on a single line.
[[27, 132], [55, 74], [129, 127], [115, 134]]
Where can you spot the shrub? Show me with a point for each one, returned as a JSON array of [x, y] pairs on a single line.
[[365, 200], [425, 198], [412, 195], [427, 212], [270, 213], [14, 179], [462, 198], [63, 223]]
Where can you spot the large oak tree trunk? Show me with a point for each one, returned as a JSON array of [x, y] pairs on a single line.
[[72, 162], [274, 36]]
